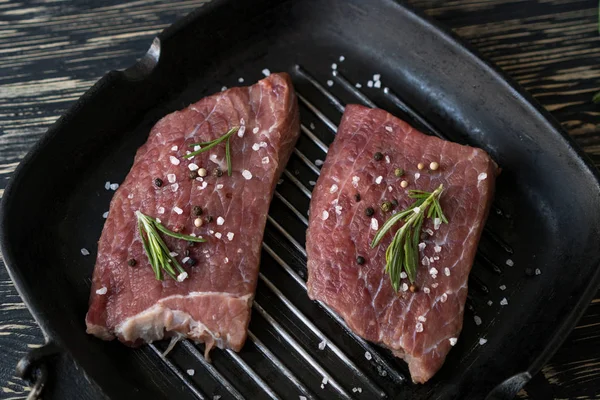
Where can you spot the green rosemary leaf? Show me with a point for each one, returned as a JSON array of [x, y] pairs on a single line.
[[403, 252], [176, 235], [209, 145], [228, 156]]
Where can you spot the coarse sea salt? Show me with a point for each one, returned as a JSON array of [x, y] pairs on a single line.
[[404, 287], [333, 188], [510, 262], [223, 88], [102, 290], [453, 341], [504, 302], [219, 186], [419, 327], [220, 220], [386, 90], [247, 174], [426, 290], [182, 277], [482, 341], [325, 215], [85, 252], [502, 287], [538, 271], [443, 297], [178, 210], [368, 356], [318, 162], [266, 72], [105, 215], [171, 178], [174, 160], [342, 58], [358, 85], [218, 235], [265, 160], [376, 77], [378, 179], [437, 248], [377, 84], [422, 246], [355, 180], [433, 271], [477, 320], [338, 210], [422, 318], [241, 131], [107, 185], [403, 275], [174, 148], [447, 271], [323, 344], [374, 224], [114, 186], [329, 83], [255, 130], [174, 187], [241, 80], [193, 167], [334, 66], [481, 176], [190, 372], [312, 183]]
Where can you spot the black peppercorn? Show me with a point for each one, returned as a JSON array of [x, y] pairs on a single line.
[[378, 156], [369, 211], [394, 202], [131, 262], [193, 174], [158, 182], [209, 219], [197, 211], [360, 260], [217, 172], [357, 197], [190, 262]]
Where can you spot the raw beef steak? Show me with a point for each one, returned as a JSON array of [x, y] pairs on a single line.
[[419, 327], [213, 304]]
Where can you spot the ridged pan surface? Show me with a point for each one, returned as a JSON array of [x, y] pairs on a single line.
[[537, 261]]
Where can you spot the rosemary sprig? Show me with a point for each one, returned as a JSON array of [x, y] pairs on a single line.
[[402, 253], [156, 249], [204, 146]]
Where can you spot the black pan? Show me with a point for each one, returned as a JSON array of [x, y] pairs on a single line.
[[545, 216]]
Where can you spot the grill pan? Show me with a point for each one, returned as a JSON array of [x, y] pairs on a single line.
[[545, 215]]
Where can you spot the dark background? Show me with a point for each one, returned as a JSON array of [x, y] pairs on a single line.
[[52, 51]]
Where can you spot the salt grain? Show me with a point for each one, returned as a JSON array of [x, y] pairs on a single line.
[[390, 188], [417, 175], [102, 290], [130, 196], [387, 159], [481, 176], [185, 259], [477, 320], [312, 126], [433, 271], [174, 148], [443, 297], [325, 215], [241, 80], [333, 188], [447, 271], [538, 271], [338, 210], [107, 185], [489, 303], [374, 224], [265, 160], [437, 248], [174, 187], [247, 174], [368, 355], [223, 88], [218, 235], [403, 275], [422, 318], [453, 341], [325, 381], [171, 178], [503, 287], [482, 341], [379, 179], [329, 83], [174, 160], [510, 262], [255, 147], [312, 183], [377, 84], [105, 215], [230, 236], [203, 186], [504, 302], [266, 72], [241, 131], [220, 221], [436, 223], [190, 372], [114, 186], [178, 210], [419, 327], [386, 90], [255, 130], [358, 85], [434, 285], [355, 180], [404, 287], [422, 246], [85, 252], [318, 162], [323, 344], [226, 260], [426, 290], [197, 147], [182, 277], [342, 58], [219, 186], [370, 83], [334, 66]]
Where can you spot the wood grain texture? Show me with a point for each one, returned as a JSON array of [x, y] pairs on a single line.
[[52, 51]]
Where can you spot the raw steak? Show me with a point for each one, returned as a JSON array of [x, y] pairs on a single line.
[[213, 304], [419, 327]]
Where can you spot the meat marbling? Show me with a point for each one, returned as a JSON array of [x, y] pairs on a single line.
[[213, 304], [419, 327]]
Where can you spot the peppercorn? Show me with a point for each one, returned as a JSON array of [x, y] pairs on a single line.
[[217, 172], [369, 211], [209, 219], [434, 166], [360, 260], [394, 202], [357, 197], [158, 182], [131, 262], [193, 174], [420, 165], [386, 206], [190, 262], [413, 288], [378, 156], [197, 211], [404, 184], [398, 172]]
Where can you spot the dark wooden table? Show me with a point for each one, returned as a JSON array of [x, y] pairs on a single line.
[[51, 51]]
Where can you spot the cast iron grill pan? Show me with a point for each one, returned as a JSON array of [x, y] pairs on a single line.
[[538, 219]]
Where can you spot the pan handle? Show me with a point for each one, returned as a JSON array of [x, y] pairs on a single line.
[[508, 389], [33, 368]]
